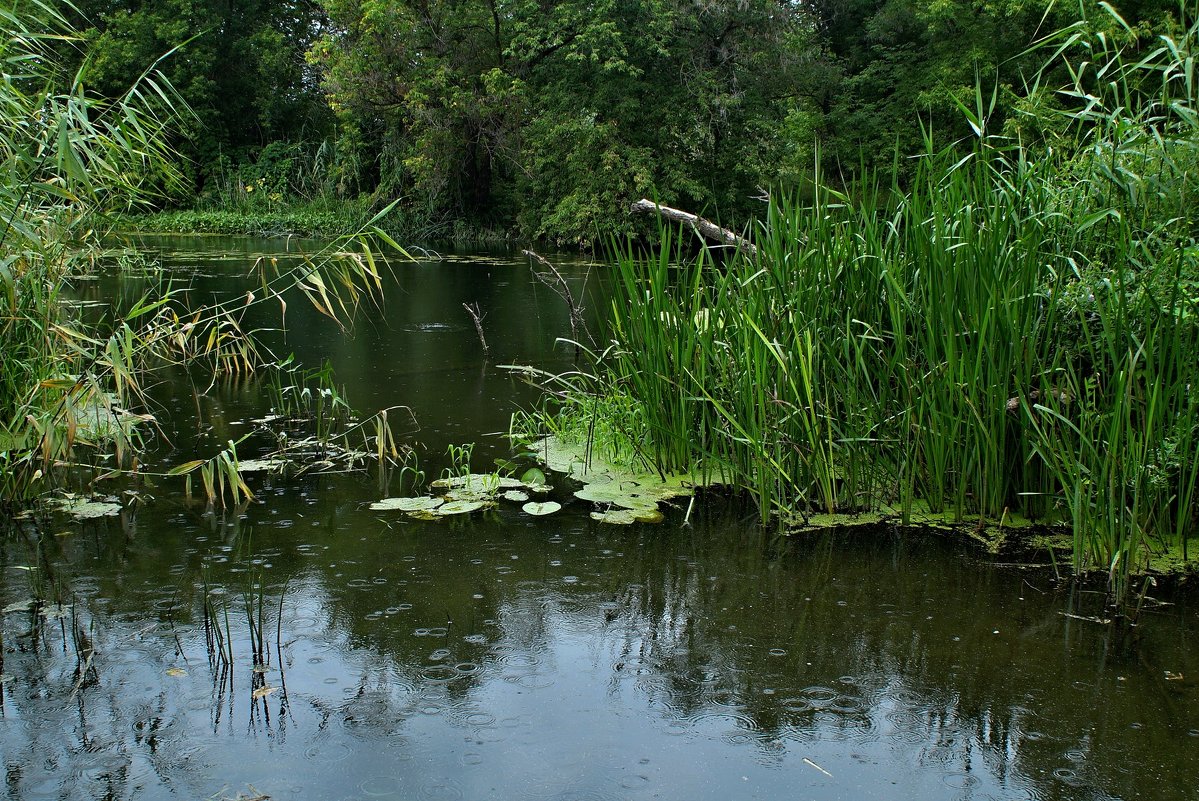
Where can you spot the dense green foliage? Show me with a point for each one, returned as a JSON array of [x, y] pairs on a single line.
[[898, 64], [550, 118], [556, 115], [291, 220], [1005, 332], [240, 66]]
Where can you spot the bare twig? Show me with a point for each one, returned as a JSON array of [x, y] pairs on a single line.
[[812, 764], [559, 286], [1101, 620], [473, 310]]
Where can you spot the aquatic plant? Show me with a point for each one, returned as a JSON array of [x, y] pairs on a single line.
[[66, 156], [218, 635], [1014, 329], [71, 390], [464, 492], [459, 456], [583, 408]]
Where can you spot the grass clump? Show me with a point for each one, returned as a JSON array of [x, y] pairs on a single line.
[[65, 157]]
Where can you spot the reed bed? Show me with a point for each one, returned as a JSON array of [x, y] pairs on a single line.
[[1011, 331], [71, 388]]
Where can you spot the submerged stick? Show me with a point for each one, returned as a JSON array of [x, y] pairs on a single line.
[[814, 765], [473, 310], [705, 228]]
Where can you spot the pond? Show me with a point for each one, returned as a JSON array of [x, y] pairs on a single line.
[[505, 656]]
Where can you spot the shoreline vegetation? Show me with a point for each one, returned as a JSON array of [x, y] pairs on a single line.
[[1012, 333], [1005, 328], [326, 219], [73, 408]]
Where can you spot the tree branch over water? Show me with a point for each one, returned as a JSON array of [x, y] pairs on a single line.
[[705, 228]]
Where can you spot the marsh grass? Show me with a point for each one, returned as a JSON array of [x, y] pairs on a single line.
[[1015, 330], [66, 156], [71, 399]]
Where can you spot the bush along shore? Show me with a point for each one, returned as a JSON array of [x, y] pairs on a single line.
[[1011, 335], [327, 219], [322, 223]]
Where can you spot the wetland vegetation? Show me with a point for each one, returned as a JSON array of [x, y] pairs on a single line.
[[989, 335], [869, 490], [994, 333]]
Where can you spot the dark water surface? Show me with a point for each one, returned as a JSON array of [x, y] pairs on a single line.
[[508, 657]]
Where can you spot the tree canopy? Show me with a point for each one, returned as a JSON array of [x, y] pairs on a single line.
[[241, 66], [549, 117]]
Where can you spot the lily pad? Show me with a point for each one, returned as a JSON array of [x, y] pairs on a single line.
[[424, 503], [468, 494], [625, 486], [626, 496], [84, 509], [603, 492], [482, 481], [627, 517], [267, 465], [539, 509], [460, 507], [516, 496], [533, 476]]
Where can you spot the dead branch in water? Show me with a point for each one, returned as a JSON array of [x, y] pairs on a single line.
[[473, 310], [559, 286]]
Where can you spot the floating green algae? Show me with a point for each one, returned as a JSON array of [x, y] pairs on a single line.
[[991, 533], [82, 508]]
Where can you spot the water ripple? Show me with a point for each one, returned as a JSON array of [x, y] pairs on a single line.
[[328, 752], [382, 786], [960, 780], [439, 790], [1068, 776], [440, 673], [819, 696], [738, 720]]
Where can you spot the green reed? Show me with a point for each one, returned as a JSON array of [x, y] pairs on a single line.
[[1013, 331], [928, 352]]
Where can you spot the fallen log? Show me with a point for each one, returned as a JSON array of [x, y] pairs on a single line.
[[704, 228]]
